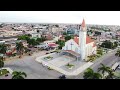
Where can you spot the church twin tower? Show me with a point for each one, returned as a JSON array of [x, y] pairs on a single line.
[[82, 40]]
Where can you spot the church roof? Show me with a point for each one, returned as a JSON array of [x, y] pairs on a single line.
[[88, 40]]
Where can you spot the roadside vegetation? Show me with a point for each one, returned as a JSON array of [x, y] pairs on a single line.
[[104, 72]]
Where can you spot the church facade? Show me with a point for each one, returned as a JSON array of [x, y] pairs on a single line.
[[82, 44]]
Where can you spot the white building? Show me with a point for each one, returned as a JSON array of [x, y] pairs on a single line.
[[36, 35], [1, 42], [82, 45]]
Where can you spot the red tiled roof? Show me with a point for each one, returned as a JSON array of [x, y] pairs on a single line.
[[88, 40], [52, 44], [9, 53]]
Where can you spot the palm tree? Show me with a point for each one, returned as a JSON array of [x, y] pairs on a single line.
[[1, 62], [3, 48], [97, 76], [20, 48], [104, 69], [90, 74], [18, 75], [111, 74]]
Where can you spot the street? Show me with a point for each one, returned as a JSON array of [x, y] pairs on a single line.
[[108, 60]]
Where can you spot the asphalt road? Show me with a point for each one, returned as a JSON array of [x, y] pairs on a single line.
[[33, 69], [108, 60]]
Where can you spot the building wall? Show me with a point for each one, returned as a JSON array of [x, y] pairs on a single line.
[[90, 49], [56, 29], [74, 47]]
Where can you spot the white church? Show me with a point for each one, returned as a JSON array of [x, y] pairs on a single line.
[[81, 46]]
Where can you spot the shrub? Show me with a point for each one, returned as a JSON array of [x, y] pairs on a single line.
[[50, 68], [69, 65]]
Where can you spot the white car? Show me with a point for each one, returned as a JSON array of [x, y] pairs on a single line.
[[44, 64]]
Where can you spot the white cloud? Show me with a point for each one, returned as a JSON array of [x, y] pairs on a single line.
[[91, 17]]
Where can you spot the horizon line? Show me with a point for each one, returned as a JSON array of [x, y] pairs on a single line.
[[53, 23]]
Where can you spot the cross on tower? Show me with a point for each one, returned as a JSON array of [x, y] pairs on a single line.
[[71, 45]]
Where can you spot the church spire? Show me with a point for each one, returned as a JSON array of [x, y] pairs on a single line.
[[83, 26], [83, 23]]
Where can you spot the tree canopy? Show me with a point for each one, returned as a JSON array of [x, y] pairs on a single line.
[[60, 43], [109, 44], [3, 48]]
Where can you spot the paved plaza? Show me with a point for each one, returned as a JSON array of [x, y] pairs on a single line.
[[59, 63]]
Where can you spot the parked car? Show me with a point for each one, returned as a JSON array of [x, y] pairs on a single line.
[[47, 53], [44, 64], [62, 77]]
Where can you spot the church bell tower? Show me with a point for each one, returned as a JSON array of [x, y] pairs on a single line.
[[82, 40]]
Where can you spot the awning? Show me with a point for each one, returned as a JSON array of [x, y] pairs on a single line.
[[71, 52]]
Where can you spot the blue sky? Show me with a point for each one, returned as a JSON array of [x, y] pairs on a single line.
[[75, 17]]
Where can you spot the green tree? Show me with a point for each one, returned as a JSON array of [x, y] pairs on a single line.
[[117, 53], [32, 42], [64, 33], [107, 44], [104, 69], [23, 37], [60, 43], [115, 44], [111, 74], [68, 37], [90, 74], [1, 62], [3, 48], [29, 35], [91, 58], [18, 75], [100, 51], [4, 72], [39, 40], [20, 48]]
